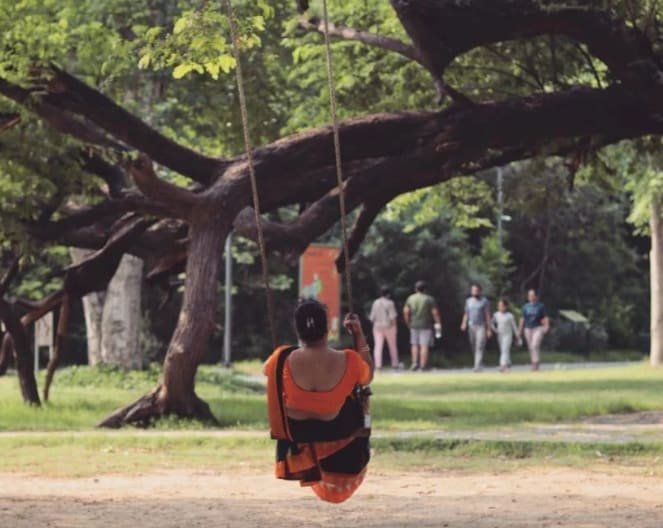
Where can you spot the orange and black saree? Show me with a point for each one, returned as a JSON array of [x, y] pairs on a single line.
[[330, 456]]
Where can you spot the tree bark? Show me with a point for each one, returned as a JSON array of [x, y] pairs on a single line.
[[121, 316], [656, 266], [112, 317], [16, 339], [93, 305], [5, 355], [60, 337]]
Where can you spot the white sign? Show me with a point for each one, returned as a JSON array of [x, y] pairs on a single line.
[[44, 331]]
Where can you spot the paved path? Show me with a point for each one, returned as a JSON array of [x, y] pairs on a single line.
[[522, 368]]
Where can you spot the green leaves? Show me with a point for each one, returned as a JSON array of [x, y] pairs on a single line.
[[199, 41], [466, 201]]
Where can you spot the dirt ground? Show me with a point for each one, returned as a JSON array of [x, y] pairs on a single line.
[[532, 498]]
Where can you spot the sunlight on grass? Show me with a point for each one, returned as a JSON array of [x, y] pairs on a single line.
[[401, 402]]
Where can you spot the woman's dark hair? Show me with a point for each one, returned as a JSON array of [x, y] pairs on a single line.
[[310, 320], [385, 291], [503, 300]]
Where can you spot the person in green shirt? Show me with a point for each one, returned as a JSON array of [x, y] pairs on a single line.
[[421, 316]]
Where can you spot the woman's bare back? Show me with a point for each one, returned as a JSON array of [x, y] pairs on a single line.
[[316, 370]]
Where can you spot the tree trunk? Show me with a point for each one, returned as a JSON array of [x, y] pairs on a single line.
[[121, 316], [16, 339], [5, 355], [60, 338], [175, 394], [112, 318], [656, 266], [93, 305]]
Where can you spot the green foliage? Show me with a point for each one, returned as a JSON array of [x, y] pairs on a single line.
[[38, 32], [494, 262], [196, 42], [37, 279], [465, 200], [368, 79], [575, 245]]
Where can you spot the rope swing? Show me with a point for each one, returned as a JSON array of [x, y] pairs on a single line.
[[252, 174], [337, 152]]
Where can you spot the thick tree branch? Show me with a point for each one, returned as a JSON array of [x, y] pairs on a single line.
[[59, 120], [389, 44], [42, 308], [9, 275], [95, 272], [96, 219], [444, 29], [178, 200], [367, 215], [113, 175], [68, 93]]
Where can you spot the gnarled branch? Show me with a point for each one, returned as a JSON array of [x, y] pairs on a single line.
[[365, 37], [177, 200], [68, 93]]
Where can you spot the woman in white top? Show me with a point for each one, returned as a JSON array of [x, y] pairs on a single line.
[[504, 326], [383, 316]]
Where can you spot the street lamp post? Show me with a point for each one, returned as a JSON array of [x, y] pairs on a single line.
[[227, 324], [500, 204]]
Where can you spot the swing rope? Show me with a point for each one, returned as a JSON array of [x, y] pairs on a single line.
[[252, 173], [337, 153]]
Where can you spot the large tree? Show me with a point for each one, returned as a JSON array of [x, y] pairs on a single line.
[[612, 92]]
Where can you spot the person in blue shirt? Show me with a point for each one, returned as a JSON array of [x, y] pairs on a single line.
[[477, 322], [534, 324]]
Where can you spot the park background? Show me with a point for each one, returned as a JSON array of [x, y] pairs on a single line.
[[574, 218]]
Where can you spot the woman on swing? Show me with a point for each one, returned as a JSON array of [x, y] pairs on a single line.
[[316, 406]]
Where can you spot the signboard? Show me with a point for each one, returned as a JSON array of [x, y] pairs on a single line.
[[44, 331], [43, 337], [318, 279]]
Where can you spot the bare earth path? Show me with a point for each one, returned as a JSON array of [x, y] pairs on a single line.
[[541, 498]]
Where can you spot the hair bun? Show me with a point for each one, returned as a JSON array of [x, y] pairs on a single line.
[[310, 320]]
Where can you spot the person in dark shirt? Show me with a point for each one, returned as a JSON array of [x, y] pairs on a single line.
[[534, 324]]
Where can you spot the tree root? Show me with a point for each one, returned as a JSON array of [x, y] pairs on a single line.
[[153, 406]]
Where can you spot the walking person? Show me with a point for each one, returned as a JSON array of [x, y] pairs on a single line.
[[534, 324], [477, 322], [421, 316], [505, 328], [383, 316]]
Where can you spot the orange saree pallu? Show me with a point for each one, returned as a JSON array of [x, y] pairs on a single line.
[[329, 456]]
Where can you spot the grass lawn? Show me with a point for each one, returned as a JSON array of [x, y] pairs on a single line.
[[404, 402]]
